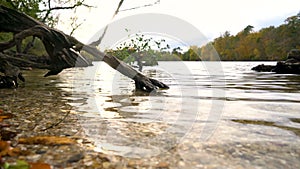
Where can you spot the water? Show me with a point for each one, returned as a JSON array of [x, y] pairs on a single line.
[[214, 112], [203, 98]]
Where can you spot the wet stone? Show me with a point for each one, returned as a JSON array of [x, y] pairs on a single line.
[[41, 151], [7, 135], [75, 158]]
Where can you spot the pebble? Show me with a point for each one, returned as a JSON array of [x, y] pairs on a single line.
[[162, 165], [131, 163], [34, 157], [41, 151], [106, 165], [181, 164], [75, 158]]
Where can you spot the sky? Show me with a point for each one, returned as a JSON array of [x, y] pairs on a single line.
[[211, 17]]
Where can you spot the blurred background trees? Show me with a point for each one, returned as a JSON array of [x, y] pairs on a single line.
[[272, 43]]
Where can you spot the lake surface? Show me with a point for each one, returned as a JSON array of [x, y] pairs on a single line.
[[207, 102], [215, 114]]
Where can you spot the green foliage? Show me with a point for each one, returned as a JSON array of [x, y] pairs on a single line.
[[42, 10], [30, 7], [20, 164], [4, 37], [190, 55], [140, 48], [37, 49]]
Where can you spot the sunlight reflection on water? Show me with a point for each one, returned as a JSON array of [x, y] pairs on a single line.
[[137, 123]]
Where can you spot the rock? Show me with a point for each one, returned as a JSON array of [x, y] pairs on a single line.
[[294, 54], [291, 60], [290, 66], [7, 135], [287, 68], [75, 158], [11, 72], [8, 82], [263, 68]]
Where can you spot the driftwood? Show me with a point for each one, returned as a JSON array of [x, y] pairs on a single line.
[[63, 51]]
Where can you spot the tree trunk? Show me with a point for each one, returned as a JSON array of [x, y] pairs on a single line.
[[63, 50]]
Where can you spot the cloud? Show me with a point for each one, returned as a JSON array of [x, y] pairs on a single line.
[[211, 17]]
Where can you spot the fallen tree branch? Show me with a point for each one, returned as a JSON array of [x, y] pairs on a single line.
[[25, 62], [63, 50]]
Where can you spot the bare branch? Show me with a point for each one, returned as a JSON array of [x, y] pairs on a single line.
[[50, 9], [65, 7], [75, 28], [143, 6], [117, 10], [98, 42], [74, 24], [57, 123]]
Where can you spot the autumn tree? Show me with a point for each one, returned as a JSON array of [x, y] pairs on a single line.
[[272, 43]]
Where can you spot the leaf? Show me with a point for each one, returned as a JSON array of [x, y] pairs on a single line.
[[20, 165], [4, 148], [47, 140], [145, 45], [39, 166], [5, 115], [6, 165]]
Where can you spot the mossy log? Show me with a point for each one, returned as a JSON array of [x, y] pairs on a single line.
[[63, 51]]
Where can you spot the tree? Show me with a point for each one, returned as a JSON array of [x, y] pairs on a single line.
[[247, 30], [43, 10], [140, 48], [63, 50], [271, 43], [191, 55]]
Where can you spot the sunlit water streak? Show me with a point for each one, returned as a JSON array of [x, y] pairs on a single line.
[[132, 123]]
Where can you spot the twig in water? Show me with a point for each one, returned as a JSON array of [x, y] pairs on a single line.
[[56, 124]]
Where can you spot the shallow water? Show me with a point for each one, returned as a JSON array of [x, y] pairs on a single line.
[[213, 112]]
